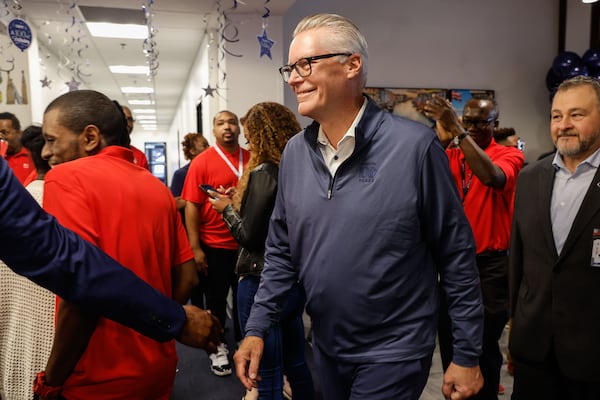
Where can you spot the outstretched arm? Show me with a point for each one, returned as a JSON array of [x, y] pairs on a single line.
[[34, 245]]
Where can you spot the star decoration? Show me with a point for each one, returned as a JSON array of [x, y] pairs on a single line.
[[208, 91], [265, 44], [46, 82], [73, 85]]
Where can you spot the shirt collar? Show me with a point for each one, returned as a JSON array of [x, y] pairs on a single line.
[[322, 138], [593, 160]]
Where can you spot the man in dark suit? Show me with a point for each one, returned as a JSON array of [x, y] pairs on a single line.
[[554, 273]]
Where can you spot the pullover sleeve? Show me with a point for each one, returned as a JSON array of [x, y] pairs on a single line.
[[450, 238], [36, 246]]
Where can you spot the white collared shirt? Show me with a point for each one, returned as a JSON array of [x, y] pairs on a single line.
[[568, 193], [335, 157]]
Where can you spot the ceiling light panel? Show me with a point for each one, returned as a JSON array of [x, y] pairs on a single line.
[[117, 31], [129, 69], [137, 89]]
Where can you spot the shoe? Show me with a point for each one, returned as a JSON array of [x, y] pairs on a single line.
[[219, 362], [500, 389]]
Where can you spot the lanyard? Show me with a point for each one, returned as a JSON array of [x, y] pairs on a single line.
[[240, 168], [465, 184]]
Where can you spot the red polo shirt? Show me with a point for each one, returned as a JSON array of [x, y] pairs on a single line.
[[129, 214], [210, 168], [21, 164], [488, 210], [139, 158]]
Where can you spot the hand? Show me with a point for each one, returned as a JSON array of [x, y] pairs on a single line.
[[461, 382], [441, 110], [247, 358], [229, 192], [219, 201], [200, 259], [201, 329]]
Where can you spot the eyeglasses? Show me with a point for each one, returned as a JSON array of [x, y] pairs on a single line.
[[130, 119], [477, 123], [303, 66]]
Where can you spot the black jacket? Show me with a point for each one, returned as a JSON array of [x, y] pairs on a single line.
[[555, 299], [250, 226]]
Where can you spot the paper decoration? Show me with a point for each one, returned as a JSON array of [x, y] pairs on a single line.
[[265, 44], [208, 91], [73, 85], [46, 82], [19, 33]]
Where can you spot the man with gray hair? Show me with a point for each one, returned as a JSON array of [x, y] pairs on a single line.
[[366, 218], [554, 259]]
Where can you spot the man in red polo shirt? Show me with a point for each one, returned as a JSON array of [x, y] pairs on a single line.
[[139, 157], [95, 189], [17, 156], [215, 250], [485, 174]]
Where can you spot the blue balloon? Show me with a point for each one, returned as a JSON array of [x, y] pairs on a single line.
[[591, 58], [595, 73], [577, 70], [552, 80], [564, 62]]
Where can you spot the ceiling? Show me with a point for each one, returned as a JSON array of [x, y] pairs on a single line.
[[181, 26]]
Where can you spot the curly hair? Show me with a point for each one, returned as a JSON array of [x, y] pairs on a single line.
[[189, 143], [268, 127]]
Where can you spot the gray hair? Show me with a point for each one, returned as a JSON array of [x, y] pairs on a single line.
[[581, 80], [346, 37]]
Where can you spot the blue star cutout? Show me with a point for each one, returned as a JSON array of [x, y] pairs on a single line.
[[73, 85], [265, 44], [46, 82], [208, 91]]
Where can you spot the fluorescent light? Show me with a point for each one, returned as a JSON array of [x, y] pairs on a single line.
[[145, 117], [589, 1], [137, 89], [129, 69], [134, 102], [150, 127], [143, 111], [117, 31]]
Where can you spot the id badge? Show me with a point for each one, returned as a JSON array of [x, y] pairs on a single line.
[[595, 248]]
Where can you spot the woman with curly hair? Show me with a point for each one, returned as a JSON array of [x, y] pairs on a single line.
[[267, 128]]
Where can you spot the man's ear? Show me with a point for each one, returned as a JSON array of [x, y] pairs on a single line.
[[354, 65], [92, 139]]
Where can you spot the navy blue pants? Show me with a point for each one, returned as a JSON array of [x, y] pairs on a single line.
[[340, 380]]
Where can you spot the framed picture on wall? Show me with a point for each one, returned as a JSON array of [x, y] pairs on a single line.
[[459, 97], [407, 101]]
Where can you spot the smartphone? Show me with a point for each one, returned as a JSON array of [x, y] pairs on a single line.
[[207, 188]]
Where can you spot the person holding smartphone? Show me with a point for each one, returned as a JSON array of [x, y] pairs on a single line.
[[267, 127]]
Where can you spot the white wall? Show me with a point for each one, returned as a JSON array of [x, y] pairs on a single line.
[[507, 46], [250, 79]]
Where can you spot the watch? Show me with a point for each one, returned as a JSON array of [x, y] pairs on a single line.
[[457, 139], [42, 389]]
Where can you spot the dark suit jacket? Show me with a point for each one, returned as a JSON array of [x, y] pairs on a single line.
[[34, 245], [554, 299]]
